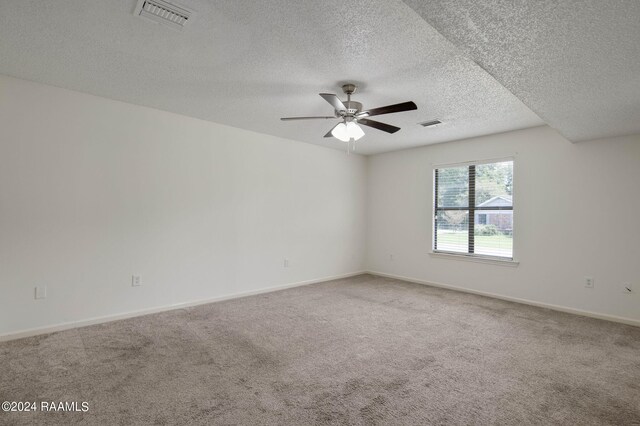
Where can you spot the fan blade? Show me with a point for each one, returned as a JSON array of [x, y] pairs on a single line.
[[307, 118], [378, 125], [334, 101], [329, 135], [389, 109]]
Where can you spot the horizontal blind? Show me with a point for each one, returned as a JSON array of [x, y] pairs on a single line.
[[473, 211], [452, 210]]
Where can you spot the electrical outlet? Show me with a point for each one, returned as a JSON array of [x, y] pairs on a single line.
[[588, 282], [136, 281], [285, 263], [41, 292], [627, 288]]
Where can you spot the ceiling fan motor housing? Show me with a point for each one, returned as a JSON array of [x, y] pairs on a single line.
[[353, 107]]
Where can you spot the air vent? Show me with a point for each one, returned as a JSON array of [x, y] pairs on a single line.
[[430, 123], [163, 12]]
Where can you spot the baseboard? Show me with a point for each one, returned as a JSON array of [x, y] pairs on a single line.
[[120, 316], [607, 317]]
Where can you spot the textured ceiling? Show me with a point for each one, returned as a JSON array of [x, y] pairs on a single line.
[[576, 63], [246, 63]]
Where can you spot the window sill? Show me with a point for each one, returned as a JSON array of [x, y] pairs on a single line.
[[477, 259]]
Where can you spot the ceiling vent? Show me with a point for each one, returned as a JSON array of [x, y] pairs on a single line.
[[430, 123], [163, 12]]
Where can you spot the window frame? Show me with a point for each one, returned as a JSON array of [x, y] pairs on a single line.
[[472, 209]]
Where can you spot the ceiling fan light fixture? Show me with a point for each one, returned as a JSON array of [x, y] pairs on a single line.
[[354, 131], [340, 132], [346, 132]]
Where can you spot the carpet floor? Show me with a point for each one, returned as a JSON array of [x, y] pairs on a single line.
[[363, 351]]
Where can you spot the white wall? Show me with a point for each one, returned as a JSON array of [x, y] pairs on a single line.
[[93, 191], [576, 214]]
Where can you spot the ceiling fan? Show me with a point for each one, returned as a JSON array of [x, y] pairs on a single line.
[[351, 115]]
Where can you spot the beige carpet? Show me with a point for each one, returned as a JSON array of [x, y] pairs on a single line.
[[363, 350]]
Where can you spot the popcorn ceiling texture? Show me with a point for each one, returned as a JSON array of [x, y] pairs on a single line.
[[247, 63], [576, 63]]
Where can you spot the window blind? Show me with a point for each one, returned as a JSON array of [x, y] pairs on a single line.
[[473, 209]]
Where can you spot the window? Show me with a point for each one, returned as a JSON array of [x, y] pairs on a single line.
[[473, 209]]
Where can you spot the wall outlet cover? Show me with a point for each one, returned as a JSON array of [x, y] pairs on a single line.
[[41, 292]]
